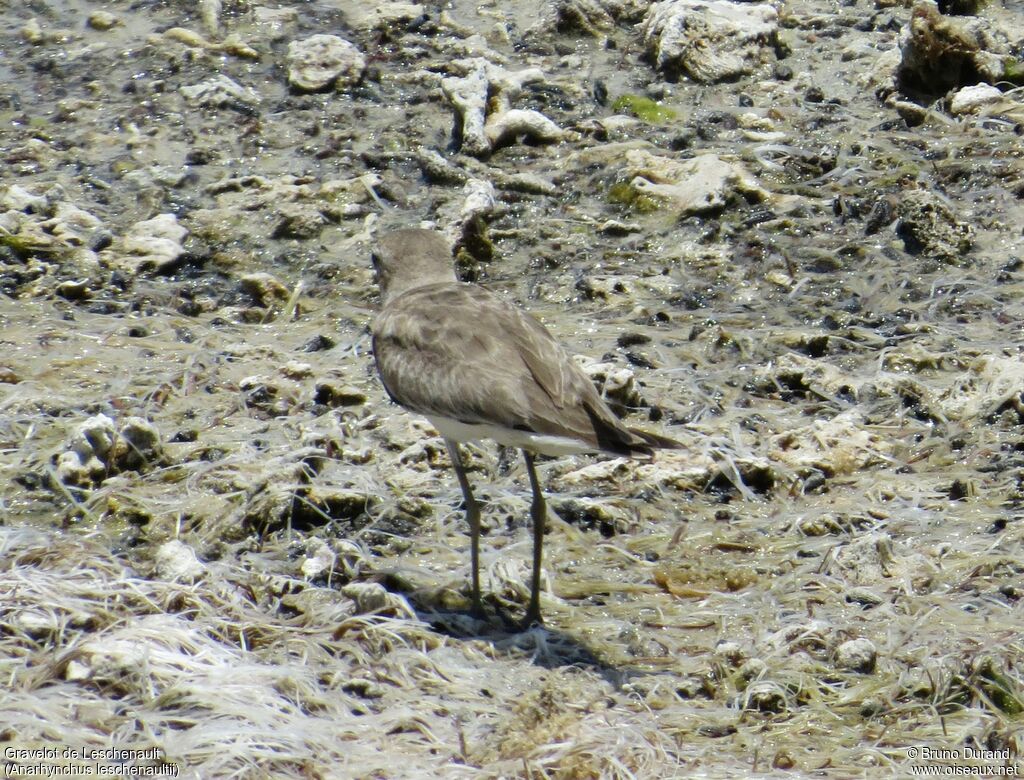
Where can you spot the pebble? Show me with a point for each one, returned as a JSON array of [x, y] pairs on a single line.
[[220, 91], [19, 199], [151, 244], [321, 61], [177, 562], [319, 559], [371, 597], [273, 23], [298, 220], [90, 443], [137, 445], [929, 227], [385, 16], [335, 395], [31, 32], [970, 100], [295, 369], [765, 696], [710, 41], [699, 185], [102, 20], [856, 655]]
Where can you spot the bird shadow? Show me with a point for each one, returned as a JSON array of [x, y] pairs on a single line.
[[546, 646]]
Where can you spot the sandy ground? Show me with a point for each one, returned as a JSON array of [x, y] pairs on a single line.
[[223, 545]]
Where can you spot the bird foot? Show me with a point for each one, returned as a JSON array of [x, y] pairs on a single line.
[[531, 620]]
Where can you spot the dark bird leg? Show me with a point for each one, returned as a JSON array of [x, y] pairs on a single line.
[[538, 511], [473, 516]]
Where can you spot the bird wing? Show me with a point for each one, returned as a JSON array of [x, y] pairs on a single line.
[[461, 352]]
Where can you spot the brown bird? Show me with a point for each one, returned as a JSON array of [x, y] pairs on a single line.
[[478, 368]]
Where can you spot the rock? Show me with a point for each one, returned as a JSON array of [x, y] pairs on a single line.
[[295, 369], [102, 21], [699, 185], [868, 560], [480, 200], [593, 17], [602, 471], [910, 112], [482, 98], [209, 12], [31, 32], [345, 195], [730, 651], [71, 225], [156, 177], [73, 289], [273, 22], [299, 207], [45, 224], [588, 513], [321, 61], [614, 227], [939, 53], [230, 45], [587, 16], [617, 384], [177, 562], [96, 450], [298, 220], [970, 100], [16, 198], [152, 244], [84, 460], [620, 125], [990, 384], [856, 655], [752, 669], [95, 437], [528, 183], [363, 688], [508, 126], [468, 94], [371, 597], [319, 560], [612, 153], [765, 696], [865, 597], [384, 16], [929, 227], [844, 444], [334, 395], [137, 445], [438, 170], [220, 91], [710, 40]]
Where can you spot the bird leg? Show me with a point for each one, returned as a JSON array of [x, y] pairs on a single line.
[[538, 511], [473, 516]]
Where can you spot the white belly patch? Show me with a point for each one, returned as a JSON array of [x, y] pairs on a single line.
[[534, 442]]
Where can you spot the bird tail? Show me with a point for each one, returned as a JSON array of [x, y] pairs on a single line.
[[616, 439], [654, 441]]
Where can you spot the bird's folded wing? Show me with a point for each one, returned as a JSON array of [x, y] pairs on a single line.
[[461, 352]]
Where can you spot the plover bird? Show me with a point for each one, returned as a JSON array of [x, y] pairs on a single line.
[[478, 368]]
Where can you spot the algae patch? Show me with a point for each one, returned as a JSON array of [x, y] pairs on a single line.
[[643, 108]]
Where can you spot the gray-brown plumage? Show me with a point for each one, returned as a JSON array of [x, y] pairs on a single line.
[[478, 367]]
